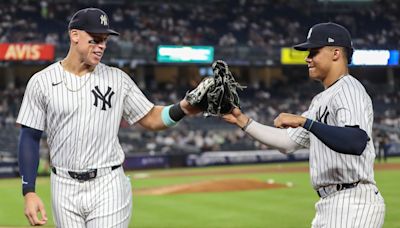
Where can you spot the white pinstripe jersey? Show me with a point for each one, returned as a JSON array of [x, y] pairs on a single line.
[[345, 103], [82, 125]]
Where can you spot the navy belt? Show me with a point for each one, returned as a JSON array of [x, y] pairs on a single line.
[[327, 190], [84, 176]]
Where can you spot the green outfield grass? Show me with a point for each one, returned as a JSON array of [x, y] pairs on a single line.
[[289, 207]]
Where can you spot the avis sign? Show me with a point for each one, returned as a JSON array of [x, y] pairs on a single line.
[[26, 52]]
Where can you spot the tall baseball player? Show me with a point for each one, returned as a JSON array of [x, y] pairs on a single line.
[[337, 130], [80, 102]]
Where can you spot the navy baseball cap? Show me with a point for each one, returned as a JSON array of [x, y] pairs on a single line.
[[91, 20], [326, 34]]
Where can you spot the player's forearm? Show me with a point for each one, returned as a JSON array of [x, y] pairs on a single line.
[[271, 136], [345, 140], [162, 117], [28, 157], [152, 121]]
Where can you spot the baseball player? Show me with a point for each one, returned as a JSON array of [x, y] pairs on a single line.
[[337, 130], [79, 102]]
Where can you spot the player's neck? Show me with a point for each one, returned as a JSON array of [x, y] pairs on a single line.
[[73, 65], [335, 75]]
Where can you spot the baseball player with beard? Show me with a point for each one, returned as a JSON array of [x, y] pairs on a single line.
[[79, 102], [337, 129]]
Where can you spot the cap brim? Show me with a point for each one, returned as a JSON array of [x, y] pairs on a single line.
[[112, 32], [104, 31], [306, 45]]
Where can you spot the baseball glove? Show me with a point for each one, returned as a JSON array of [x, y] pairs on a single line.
[[216, 95]]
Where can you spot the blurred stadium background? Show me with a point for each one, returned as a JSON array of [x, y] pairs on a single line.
[[253, 36]]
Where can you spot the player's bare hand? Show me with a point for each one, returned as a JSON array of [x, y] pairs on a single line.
[[236, 117], [34, 206], [285, 120], [189, 109]]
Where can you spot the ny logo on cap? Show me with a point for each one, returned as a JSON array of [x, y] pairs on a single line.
[[103, 20]]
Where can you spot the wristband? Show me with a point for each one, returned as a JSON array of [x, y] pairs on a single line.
[[176, 113], [308, 124], [166, 118], [247, 124]]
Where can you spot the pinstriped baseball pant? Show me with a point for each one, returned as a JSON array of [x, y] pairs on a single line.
[[104, 201], [359, 207]]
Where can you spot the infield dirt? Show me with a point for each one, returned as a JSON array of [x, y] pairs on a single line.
[[230, 184]]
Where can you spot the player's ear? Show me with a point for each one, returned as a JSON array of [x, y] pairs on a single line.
[[74, 35], [337, 53]]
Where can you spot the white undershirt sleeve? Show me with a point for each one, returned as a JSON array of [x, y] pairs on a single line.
[[271, 136]]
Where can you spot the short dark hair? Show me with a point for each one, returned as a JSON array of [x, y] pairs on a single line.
[[348, 53]]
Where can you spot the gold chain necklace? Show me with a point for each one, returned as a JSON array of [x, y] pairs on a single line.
[[74, 90]]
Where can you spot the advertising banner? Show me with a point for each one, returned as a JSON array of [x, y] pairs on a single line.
[[26, 52], [146, 161]]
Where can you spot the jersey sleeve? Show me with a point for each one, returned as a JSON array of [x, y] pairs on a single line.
[[300, 135], [352, 107], [136, 105], [33, 109]]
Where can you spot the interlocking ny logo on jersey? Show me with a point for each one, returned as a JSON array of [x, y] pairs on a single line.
[[103, 20], [106, 98], [322, 117]]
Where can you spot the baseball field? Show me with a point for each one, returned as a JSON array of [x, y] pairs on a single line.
[[269, 195]]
